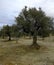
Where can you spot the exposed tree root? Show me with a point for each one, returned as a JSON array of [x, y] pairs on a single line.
[[35, 46]]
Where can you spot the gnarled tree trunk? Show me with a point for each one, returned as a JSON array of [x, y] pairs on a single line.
[[35, 41]]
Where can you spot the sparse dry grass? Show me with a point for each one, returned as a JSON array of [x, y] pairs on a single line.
[[12, 53]]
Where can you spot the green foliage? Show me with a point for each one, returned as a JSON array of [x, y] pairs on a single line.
[[31, 22], [14, 30], [6, 31], [34, 21]]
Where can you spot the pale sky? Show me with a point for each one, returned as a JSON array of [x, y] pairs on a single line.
[[9, 9]]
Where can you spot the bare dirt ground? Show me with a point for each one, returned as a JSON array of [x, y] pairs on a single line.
[[20, 53]]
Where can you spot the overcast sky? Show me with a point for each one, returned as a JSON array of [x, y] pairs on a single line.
[[11, 8]]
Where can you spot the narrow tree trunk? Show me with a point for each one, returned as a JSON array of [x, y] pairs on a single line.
[[9, 38], [34, 40]]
